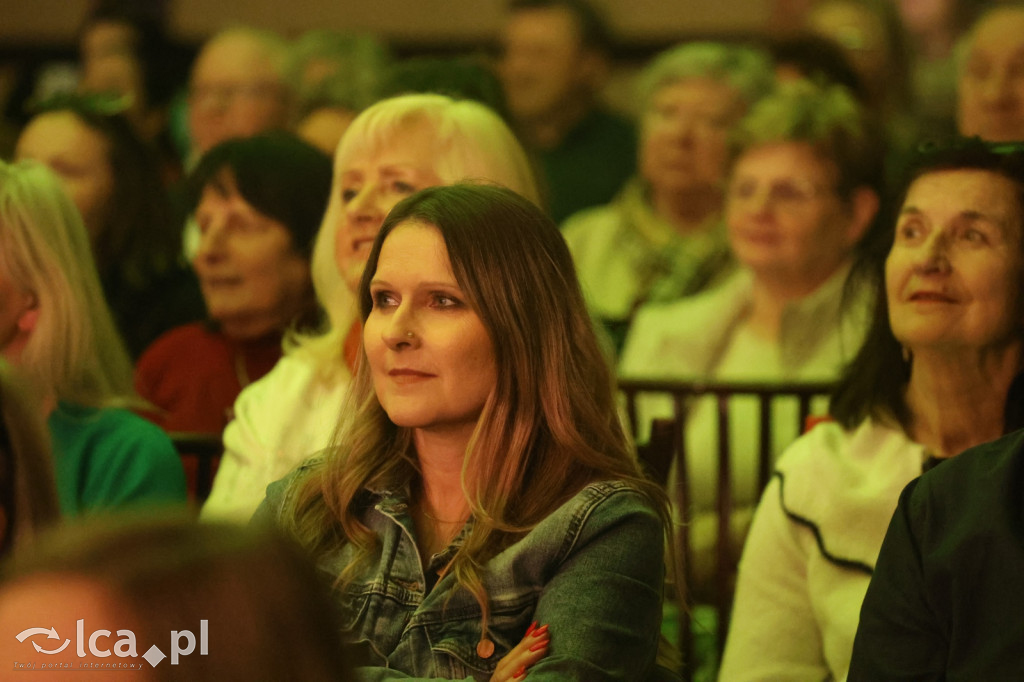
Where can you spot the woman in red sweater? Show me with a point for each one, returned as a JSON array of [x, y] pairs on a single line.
[[258, 202]]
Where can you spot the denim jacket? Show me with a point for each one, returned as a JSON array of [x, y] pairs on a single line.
[[592, 571]]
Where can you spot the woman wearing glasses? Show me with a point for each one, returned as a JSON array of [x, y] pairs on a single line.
[[800, 198]]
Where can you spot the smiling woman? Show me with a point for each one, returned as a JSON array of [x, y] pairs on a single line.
[[480, 467], [936, 236], [932, 379]]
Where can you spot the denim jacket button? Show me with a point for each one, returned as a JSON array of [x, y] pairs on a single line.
[[485, 648]]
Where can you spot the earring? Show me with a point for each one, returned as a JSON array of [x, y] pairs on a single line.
[[907, 354]]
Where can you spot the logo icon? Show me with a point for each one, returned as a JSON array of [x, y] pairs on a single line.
[[183, 643], [50, 634]]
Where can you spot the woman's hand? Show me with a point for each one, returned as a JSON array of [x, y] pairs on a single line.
[[533, 647]]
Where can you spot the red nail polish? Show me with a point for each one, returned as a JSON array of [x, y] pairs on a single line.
[[533, 626], [520, 672], [543, 644], [542, 630]]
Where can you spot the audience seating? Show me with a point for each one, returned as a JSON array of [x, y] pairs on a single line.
[[200, 454], [667, 448]]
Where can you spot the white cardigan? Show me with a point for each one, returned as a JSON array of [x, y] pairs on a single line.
[[280, 420], [685, 340], [811, 549]]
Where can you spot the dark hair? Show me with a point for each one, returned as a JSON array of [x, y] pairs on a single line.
[[593, 29], [458, 78], [818, 59], [139, 240], [163, 70], [270, 613], [280, 175], [872, 386], [897, 82]]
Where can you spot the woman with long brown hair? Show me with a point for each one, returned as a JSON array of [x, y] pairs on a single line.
[[482, 481]]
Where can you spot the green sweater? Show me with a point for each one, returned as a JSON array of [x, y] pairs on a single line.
[[111, 459]]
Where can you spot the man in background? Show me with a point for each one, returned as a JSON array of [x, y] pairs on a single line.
[[239, 87], [555, 60]]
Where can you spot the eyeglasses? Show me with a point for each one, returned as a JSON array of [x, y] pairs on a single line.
[[701, 122], [972, 144], [781, 192]]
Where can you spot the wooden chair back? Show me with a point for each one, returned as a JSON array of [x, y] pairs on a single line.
[[667, 449]]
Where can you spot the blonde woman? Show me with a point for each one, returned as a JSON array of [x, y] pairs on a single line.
[[392, 149], [57, 329], [482, 509]]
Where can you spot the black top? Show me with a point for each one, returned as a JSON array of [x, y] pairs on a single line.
[[143, 313], [946, 601], [590, 164]]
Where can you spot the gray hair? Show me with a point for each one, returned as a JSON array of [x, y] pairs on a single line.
[[827, 117], [746, 69]]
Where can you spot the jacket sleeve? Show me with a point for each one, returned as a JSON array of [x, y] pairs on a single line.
[[602, 605], [899, 637], [602, 601], [774, 633]]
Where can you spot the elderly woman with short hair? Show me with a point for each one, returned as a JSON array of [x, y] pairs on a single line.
[[662, 237], [801, 198], [258, 202]]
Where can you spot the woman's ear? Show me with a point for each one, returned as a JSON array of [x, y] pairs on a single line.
[[23, 329]]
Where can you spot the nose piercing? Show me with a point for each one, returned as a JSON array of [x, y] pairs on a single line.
[[409, 334]]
